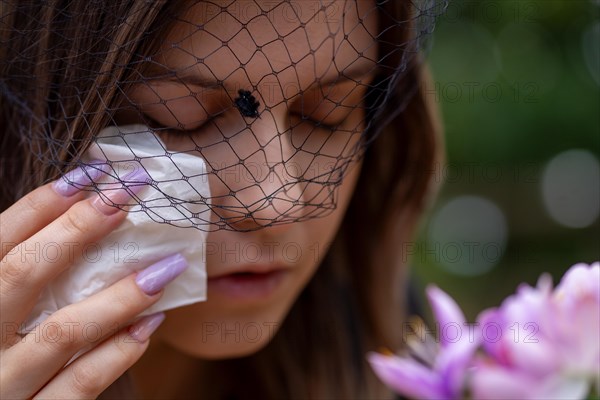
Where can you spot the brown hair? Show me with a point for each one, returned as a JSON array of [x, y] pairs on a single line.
[[319, 351]]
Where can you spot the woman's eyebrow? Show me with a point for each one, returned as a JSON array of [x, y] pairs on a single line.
[[161, 73]]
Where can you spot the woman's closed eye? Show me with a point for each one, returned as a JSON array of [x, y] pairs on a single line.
[[156, 124], [329, 125], [197, 126]]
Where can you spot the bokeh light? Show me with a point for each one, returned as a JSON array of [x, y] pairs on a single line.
[[467, 235], [571, 188]]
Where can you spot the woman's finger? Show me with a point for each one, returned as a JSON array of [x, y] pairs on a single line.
[[89, 375], [43, 205], [42, 352], [24, 272]]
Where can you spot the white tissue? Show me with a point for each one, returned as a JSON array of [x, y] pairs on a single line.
[[140, 240]]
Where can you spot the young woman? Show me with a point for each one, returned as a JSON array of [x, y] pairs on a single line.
[[305, 332]]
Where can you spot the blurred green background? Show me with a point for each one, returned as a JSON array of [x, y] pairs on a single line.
[[518, 83]]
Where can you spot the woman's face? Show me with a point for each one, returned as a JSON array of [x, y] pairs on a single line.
[[289, 56]]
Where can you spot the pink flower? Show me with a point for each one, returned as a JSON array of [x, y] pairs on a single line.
[[541, 343], [546, 343], [431, 370]]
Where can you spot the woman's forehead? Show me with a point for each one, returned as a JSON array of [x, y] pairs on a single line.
[[249, 43]]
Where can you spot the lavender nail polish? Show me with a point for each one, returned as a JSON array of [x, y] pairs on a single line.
[[134, 182], [137, 177], [145, 326], [71, 182], [155, 277]]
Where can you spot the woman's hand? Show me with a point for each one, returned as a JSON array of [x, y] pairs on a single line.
[[35, 365]]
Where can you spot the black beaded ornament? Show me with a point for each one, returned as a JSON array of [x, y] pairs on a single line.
[[247, 104]]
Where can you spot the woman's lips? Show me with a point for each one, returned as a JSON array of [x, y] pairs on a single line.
[[247, 285]]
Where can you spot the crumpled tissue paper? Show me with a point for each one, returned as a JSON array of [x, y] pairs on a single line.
[[140, 240]]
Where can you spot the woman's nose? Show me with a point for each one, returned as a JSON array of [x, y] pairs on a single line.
[[255, 187]]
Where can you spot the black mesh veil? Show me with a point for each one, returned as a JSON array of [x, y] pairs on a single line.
[[226, 111]]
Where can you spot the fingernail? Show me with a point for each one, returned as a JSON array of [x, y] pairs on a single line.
[[155, 277], [145, 326], [131, 184], [71, 182]]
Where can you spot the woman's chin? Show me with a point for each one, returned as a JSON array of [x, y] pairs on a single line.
[[207, 337], [217, 349]]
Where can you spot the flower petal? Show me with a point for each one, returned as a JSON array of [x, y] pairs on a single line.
[[496, 382], [446, 312], [406, 377], [580, 338], [452, 364], [489, 331], [580, 281]]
